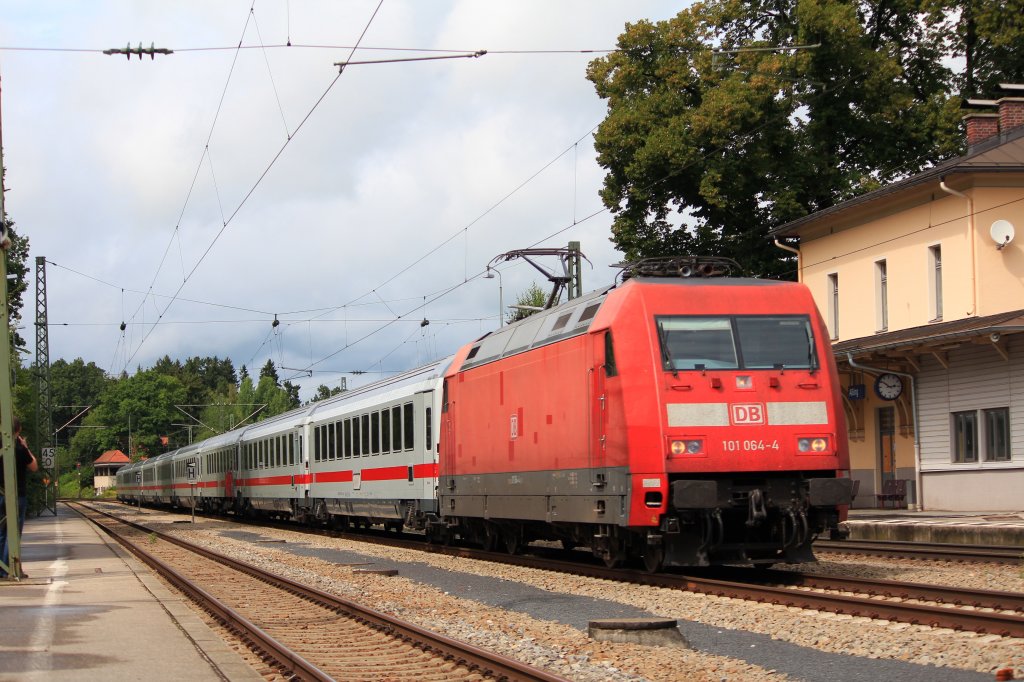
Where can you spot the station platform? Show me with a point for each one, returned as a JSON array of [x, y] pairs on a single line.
[[89, 610], [1003, 529]]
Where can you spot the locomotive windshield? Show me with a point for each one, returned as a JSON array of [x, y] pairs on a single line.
[[737, 342]]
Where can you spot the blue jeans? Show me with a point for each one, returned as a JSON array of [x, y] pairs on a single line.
[[4, 551]]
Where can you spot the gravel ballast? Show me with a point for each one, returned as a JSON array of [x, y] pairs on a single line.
[[541, 617]]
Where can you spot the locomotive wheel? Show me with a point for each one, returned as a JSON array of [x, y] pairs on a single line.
[[613, 559], [615, 554], [568, 545], [654, 557], [490, 539], [513, 541]]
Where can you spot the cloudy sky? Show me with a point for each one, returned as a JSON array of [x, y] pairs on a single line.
[[196, 196]]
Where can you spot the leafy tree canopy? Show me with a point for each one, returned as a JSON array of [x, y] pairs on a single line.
[[74, 386], [706, 150], [17, 284], [323, 392], [134, 414], [532, 297]]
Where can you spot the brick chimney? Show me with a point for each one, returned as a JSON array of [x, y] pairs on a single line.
[[980, 127], [1011, 107], [992, 118]]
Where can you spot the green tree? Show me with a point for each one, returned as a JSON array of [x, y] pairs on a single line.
[[270, 371], [989, 38], [74, 386], [323, 392], [17, 283], [139, 409], [705, 152], [533, 297]]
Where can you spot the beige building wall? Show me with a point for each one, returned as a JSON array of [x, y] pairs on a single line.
[[903, 239], [977, 279]]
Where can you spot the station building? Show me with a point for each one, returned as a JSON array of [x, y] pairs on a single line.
[[106, 467], [921, 284]]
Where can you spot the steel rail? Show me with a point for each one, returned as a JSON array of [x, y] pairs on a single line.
[[956, 596], [919, 550], [1007, 625], [284, 656], [485, 662]]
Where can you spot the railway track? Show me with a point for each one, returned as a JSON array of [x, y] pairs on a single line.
[[982, 611], [305, 633], [918, 550]]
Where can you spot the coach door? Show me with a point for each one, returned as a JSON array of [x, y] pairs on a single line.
[[598, 418], [298, 462], [447, 480]]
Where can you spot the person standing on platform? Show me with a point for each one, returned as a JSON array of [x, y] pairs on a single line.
[[24, 461]]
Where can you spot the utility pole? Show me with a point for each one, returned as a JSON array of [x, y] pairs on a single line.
[[10, 511], [575, 271], [44, 414]]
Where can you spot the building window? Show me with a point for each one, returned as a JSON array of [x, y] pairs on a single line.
[[935, 281], [833, 304], [881, 297], [965, 437], [997, 434]]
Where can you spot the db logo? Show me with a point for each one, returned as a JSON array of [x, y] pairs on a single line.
[[747, 414]]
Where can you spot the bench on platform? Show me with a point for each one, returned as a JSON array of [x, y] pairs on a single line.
[[893, 490]]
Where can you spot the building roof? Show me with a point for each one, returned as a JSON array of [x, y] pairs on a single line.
[[112, 457], [1000, 154], [932, 336]]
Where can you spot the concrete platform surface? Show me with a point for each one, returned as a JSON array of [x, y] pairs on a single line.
[[89, 610], [967, 528]]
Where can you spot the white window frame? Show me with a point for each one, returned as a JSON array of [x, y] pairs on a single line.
[[881, 296], [833, 304], [935, 282]]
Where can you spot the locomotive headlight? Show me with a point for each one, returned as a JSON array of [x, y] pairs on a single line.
[[686, 447], [812, 444]]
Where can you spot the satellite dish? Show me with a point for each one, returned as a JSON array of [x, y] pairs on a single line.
[[1002, 232]]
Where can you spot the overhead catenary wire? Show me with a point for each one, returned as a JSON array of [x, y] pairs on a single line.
[[255, 185], [463, 232]]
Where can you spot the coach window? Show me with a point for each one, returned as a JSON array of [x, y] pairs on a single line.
[[316, 444], [385, 431], [375, 433], [409, 440], [396, 428], [429, 430], [365, 430], [357, 438], [332, 452], [348, 438]]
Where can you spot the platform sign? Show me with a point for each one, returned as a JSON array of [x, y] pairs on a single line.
[[48, 458]]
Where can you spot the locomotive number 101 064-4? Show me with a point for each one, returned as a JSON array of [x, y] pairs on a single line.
[[749, 445]]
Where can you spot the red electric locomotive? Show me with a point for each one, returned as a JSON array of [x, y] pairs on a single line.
[[675, 418]]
